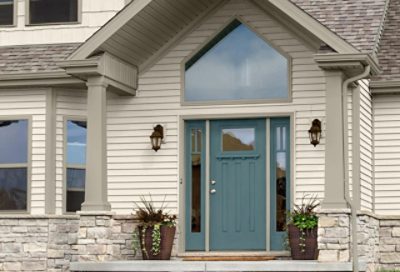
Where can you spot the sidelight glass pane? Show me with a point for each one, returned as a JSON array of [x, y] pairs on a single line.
[[196, 180], [76, 142], [53, 11], [281, 191], [13, 141], [238, 139], [13, 189], [237, 65], [75, 189], [6, 12]]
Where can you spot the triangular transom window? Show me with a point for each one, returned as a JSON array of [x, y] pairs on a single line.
[[236, 65]]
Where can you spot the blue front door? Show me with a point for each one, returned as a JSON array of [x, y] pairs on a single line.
[[238, 184]]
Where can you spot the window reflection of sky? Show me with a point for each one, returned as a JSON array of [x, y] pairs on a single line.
[[245, 135], [76, 143], [240, 66], [14, 142]]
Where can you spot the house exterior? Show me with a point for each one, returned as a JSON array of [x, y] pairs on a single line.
[[235, 86]]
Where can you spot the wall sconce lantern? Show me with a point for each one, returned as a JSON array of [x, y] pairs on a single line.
[[156, 137], [315, 132]]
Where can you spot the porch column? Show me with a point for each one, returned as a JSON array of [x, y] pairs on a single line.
[[96, 151], [334, 170]]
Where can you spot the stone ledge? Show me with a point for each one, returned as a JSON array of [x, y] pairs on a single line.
[[96, 213], [33, 216], [176, 265]]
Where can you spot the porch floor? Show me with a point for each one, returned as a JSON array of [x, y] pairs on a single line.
[[217, 266]]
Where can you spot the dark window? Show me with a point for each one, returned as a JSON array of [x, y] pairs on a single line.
[[13, 165], [6, 12], [76, 162], [53, 11]]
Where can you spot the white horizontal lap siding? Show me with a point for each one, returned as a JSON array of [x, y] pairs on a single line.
[[366, 147], [94, 14], [134, 169], [387, 153], [30, 103], [69, 103]]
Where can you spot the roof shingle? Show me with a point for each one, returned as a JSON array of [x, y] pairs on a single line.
[[356, 21], [33, 58], [389, 49]]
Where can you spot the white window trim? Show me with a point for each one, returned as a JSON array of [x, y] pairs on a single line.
[[15, 16], [27, 165], [28, 16], [65, 164]]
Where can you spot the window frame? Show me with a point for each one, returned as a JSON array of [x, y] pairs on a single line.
[[289, 99], [15, 16], [27, 165], [65, 164], [28, 16]]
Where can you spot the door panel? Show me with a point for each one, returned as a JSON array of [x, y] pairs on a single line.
[[237, 199]]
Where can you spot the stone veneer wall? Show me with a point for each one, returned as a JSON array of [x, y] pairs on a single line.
[[378, 239], [50, 243]]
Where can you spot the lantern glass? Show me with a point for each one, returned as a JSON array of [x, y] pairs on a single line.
[[315, 132], [156, 138]]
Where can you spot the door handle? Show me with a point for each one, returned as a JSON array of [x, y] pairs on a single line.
[[213, 191], [213, 182]]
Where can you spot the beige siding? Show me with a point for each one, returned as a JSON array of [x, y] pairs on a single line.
[[366, 147], [134, 169], [31, 104], [387, 153], [94, 14], [69, 104]]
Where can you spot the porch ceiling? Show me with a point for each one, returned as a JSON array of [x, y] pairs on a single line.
[[143, 28]]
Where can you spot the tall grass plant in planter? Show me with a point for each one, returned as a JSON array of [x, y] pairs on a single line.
[[303, 230], [156, 231]]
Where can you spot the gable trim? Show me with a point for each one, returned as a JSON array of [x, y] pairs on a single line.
[[108, 29]]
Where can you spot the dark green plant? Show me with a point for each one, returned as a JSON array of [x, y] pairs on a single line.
[[151, 217], [303, 215]]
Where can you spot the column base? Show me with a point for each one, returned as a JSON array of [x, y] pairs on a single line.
[[332, 205], [92, 206]]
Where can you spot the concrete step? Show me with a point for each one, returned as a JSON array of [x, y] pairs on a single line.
[[207, 266]]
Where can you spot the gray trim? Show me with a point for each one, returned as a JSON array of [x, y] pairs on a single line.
[[356, 167], [28, 17], [28, 164], [208, 179], [384, 87], [334, 170], [65, 165], [96, 194], [50, 153], [144, 67], [268, 184], [49, 79], [109, 29], [236, 102], [373, 155]]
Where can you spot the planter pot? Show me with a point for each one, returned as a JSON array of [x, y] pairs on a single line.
[[167, 241], [310, 251]]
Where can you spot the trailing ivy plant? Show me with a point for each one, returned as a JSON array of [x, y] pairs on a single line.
[[154, 218], [304, 217]]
